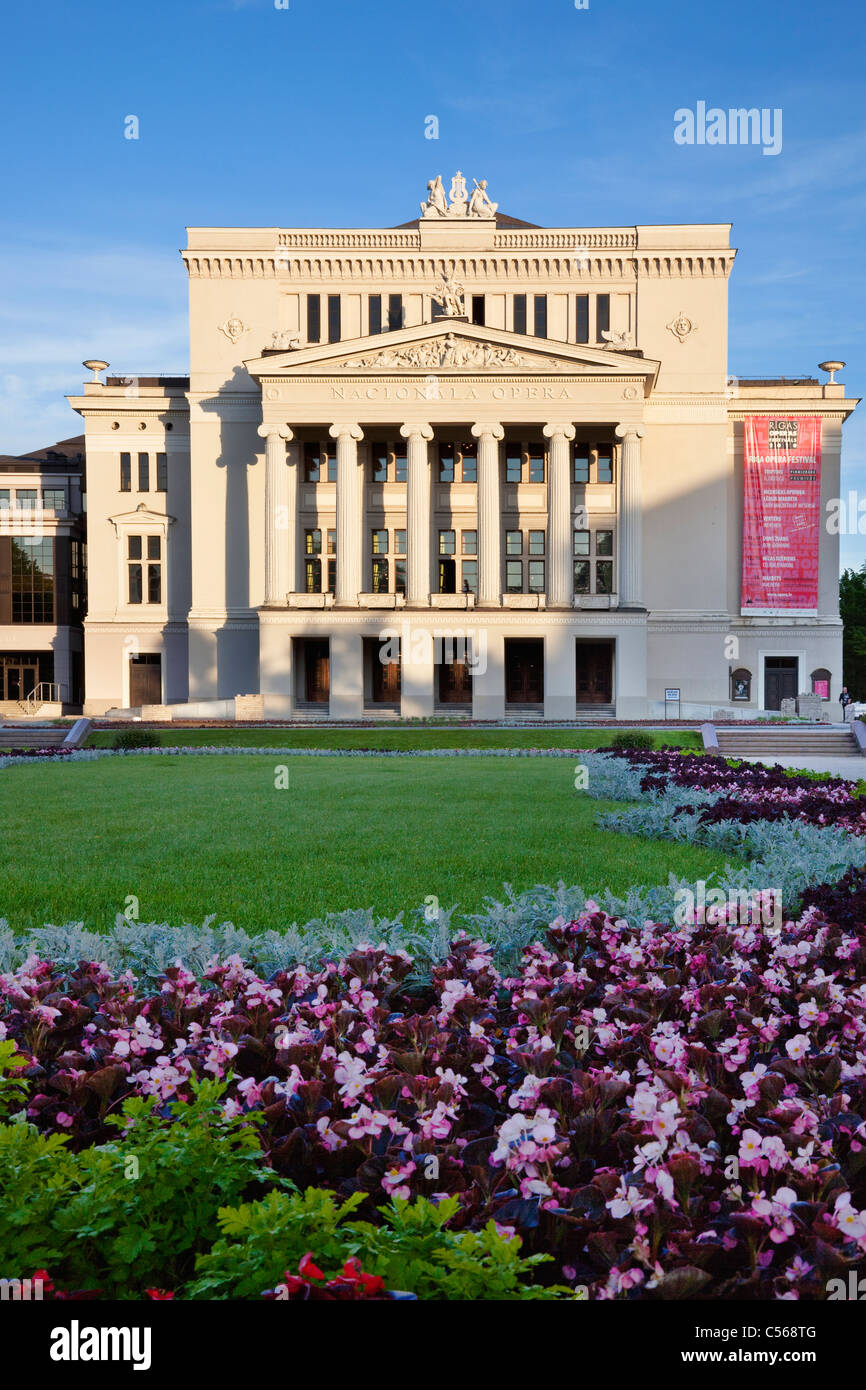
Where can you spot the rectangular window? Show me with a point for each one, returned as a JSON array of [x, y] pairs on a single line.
[[581, 576], [514, 542], [602, 316], [469, 577], [134, 552], [374, 314], [514, 576], [312, 542], [395, 312], [478, 308], [536, 467], [162, 473], [25, 499], [379, 542], [446, 463], [32, 579], [469, 462], [604, 576], [604, 468], [332, 542], [4, 497], [583, 318], [379, 463], [400, 463], [536, 542], [581, 463], [334, 324], [581, 542], [313, 576], [536, 576], [154, 583], [144, 473], [330, 452], [154, 548], [314, 318], [604, 542], [513, 464], [520, 313], [400, 541], [447, 542], [380, 576], [469, 540], [312, 463], [54, 499], [540, 316], [400, 577]]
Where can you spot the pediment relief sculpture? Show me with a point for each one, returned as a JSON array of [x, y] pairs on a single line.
[[450, 351]]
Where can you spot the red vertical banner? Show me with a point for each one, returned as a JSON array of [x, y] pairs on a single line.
[[781, 513]]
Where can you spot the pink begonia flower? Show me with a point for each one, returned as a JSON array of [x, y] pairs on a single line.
[[65, 1119], [627, 1202], [394, 1181], [367, 1122], [847, 1219], [351, 1073], [797, 1047]]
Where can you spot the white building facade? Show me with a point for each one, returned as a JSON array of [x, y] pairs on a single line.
[[464, 465]]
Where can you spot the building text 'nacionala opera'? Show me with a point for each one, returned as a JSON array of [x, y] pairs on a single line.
[[466, 464]]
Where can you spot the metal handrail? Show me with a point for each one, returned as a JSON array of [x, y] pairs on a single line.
[[37, 696]]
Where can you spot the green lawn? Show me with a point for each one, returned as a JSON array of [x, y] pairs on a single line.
[[192, 836], [398, 738]]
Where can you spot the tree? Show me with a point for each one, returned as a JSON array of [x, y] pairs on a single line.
[[852, 607]]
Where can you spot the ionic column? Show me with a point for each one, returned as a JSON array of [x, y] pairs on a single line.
[[280, 508], [418, 514], [349, 514], [630, 531], [560, 586], [489, 515]]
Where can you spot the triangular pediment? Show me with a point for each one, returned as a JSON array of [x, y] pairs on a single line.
[[452, 345]]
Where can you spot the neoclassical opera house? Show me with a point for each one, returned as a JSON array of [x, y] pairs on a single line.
[[464, 464]]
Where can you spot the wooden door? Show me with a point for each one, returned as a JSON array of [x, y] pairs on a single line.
[[20, 681], [780, 683], [317, 663], [386, 682], [594, 682], [455, 683], [145, 680], [524, 672]]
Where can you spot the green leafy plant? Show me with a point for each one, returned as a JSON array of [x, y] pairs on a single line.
[[136, 738], [412, 1250], [129, 1214], [13, 1089], [632, 738]]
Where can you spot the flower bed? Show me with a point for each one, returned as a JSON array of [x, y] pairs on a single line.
[[659, 1111]]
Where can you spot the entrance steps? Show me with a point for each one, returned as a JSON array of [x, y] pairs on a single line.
[[768, 742], [31, 736]]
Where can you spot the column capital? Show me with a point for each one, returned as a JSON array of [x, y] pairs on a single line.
[[565, 429], [283, 431], [424, 431], [495, 431], [353, 431], [622, 431]]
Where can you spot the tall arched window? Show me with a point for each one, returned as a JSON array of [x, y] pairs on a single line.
[[821, 683]]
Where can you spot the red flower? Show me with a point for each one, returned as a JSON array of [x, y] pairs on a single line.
[[353, 1272], [307, 1269], [156, 1295], [45, 1280]]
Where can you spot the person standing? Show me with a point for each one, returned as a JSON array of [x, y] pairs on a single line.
[[844, 701]]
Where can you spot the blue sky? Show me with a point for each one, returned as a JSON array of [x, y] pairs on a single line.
[[315, 115]]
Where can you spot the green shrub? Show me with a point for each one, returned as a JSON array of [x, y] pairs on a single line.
[[632, 738], [137, 738], [125, 1216], [411, 1250]]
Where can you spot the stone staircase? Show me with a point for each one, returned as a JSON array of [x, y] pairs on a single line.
[[32, 736], [787, 741]]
